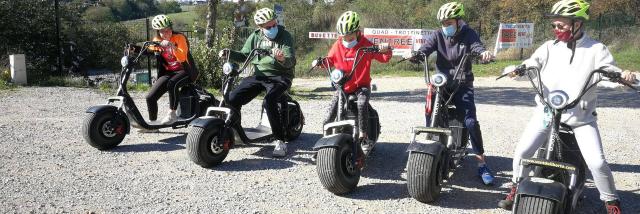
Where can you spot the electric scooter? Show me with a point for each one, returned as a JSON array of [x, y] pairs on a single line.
[[340, 157], [106, 125], [211, 136]]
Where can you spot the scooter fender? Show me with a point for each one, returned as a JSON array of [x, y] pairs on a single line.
[[335, 140], [208, 122], [109, 108], [429, 147], [542, 187]]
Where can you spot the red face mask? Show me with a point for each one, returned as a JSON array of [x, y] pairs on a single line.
[[563, 36]]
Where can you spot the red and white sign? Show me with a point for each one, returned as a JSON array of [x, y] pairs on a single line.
[[516, 35], [402, 40]]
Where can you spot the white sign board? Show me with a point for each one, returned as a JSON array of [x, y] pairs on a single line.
[[402, 40], [516, 35]]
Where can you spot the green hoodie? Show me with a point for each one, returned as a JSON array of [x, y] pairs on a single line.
[[267, 65]]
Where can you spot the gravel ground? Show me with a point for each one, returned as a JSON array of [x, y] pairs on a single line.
[[46, 167]]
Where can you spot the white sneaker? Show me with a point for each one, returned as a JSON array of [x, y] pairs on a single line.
[[279, 149], [170, 118]]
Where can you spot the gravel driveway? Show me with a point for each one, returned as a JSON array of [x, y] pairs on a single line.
[[46, 167]]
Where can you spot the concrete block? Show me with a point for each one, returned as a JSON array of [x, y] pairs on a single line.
[[18, 69]]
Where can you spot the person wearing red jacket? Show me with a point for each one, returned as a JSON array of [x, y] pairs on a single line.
[[342, 56]]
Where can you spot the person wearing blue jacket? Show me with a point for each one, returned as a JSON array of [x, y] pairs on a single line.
[[451, 42]]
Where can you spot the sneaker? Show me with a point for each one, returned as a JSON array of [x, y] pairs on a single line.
[[613, 207], [279, 149], [170, 118], [485, 173], [507, 202]]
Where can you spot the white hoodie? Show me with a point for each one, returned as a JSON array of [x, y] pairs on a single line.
[[558, 74]]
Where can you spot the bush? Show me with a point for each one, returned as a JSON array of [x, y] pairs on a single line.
[[167, 7]]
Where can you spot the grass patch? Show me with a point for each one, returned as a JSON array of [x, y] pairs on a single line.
[[187, 17], [628, 59], [6, 86]]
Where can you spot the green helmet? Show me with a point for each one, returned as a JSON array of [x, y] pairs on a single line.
[[451, 10], [160, 22], [573, 9], [348, 22], [264, 15]]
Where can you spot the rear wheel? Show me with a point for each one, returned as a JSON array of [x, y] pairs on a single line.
[[336, 170], [203, 147], [528, 204], [424, 179], [104, 130], [296, 122]]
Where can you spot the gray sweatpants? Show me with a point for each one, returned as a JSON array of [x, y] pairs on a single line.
[[588, 139], [363, 95]]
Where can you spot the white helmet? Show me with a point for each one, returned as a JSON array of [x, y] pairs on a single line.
[[160, 22], [264, 15]]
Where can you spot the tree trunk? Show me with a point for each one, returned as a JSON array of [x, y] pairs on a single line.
[[211, 23]]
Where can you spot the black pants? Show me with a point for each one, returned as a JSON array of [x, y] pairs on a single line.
[[170, 82], [363, 95], [251, 87]]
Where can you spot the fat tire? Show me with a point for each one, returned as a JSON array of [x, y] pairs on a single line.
[[424, 180], [331, 168], [528, 204], [92, 126], [199, 147]]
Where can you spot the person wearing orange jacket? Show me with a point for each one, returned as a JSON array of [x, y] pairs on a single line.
[[342, 56], [175, 69]]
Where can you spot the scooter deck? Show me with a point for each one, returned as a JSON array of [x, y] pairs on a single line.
[[258, 133]]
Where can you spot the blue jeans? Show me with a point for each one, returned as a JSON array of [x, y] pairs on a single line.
[[464, 101]]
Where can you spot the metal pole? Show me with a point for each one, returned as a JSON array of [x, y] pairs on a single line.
[[58, 44], [148, 57]]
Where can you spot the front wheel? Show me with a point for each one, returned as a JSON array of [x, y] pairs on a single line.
[[424, 179], [104, 130], [336, 170], [203, 147], [528, 204]]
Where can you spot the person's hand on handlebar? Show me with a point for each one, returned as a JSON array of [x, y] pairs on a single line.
[[384, 47], [167, 43], [223, 53], [278, 54], [486, 56], [629, 76]]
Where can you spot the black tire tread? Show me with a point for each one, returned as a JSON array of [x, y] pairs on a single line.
[[420, 175]]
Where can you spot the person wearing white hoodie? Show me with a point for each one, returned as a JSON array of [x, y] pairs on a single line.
[[565, 64]]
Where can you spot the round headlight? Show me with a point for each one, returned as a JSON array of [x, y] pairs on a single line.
[[227, 68], [558, 99], [439, 79], [124, 61], [336, 75]]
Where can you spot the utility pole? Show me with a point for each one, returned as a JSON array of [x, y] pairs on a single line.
[[58, 45]]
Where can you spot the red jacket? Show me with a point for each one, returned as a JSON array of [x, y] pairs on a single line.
[[343, 58]]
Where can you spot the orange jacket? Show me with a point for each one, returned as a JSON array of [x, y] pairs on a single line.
[[180, 41]]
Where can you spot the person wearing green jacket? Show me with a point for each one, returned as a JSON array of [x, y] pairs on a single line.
[[272, 73]]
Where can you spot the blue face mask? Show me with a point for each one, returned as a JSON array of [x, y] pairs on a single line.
[[271, 33], [349, 44], [449, 31]]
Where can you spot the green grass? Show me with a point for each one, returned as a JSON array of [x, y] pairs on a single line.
[[628, 59], [187, 17]]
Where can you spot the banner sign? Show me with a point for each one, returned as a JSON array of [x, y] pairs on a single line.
[[402, 40], [516, 35]]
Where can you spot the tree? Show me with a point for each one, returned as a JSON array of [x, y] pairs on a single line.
[[211, 22]]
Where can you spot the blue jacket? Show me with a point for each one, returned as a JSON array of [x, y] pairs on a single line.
[[451, 50]]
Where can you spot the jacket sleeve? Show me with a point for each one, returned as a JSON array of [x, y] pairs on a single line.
[[289, 52], [539, 57], [332, 56], [605, 60], [383, 57], [182, 49], [476, 45], [430, 45]]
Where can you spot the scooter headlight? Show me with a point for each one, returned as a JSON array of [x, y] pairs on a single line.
[[124, 61], [439, 79], [227, 68], [558, 99], [337, 75]]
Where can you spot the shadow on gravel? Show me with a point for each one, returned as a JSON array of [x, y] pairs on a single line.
[[164, 145], [513, 96], [624, 168], [254, 164], [592, 204], [379, 191], [387, 161]]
